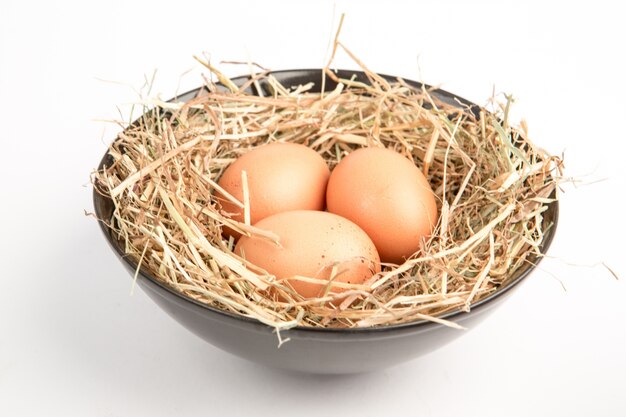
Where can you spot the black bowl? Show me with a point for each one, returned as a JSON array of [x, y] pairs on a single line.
[[317, 350]]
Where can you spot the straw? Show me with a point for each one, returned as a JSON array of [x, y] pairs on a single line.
[[492, 184]]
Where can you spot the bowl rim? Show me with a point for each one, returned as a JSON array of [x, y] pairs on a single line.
[[458, 314]]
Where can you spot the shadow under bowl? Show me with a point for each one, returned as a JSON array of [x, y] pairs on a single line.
[[317, 350]]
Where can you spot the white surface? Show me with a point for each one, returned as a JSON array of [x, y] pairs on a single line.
[[73, 342]]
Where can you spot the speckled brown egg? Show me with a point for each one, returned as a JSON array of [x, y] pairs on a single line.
[[280, 176], [387, 196], [312, 243]]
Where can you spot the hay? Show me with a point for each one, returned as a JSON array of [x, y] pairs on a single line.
[[491, 182]]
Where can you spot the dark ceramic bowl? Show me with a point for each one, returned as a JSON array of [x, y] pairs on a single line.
[[317, 350]]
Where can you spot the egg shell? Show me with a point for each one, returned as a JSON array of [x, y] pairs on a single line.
[[311, 244], [387, 196], [280, 176]]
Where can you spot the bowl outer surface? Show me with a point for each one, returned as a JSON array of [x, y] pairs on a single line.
[[316, 350]]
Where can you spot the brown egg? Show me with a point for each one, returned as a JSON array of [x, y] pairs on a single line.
[[281, 177], [387, 196], [313, 242]]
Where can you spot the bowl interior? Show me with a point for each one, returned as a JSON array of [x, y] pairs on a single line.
[[104, 207]]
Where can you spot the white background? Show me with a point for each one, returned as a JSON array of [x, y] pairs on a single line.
[[74, 342]]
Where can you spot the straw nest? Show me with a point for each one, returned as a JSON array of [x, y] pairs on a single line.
[[491, 182]]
